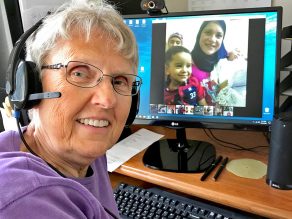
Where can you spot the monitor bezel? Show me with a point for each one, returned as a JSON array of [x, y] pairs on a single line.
[[222, 124]]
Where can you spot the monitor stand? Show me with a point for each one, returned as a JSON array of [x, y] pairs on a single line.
[[180, 155]]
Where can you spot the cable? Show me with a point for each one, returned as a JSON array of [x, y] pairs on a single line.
[[165, 9], [236, 146], [28, 147], [267, 136], [241, 147], [226, 142], [210, 136]]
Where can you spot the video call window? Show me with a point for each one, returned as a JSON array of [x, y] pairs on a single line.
[[224, 66]]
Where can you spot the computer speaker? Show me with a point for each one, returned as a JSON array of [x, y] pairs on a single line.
[[280, 155]]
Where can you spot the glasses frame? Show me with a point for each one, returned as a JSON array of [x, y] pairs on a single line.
[[135, 84]]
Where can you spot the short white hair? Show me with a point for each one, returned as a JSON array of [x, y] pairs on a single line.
[[85, 16]]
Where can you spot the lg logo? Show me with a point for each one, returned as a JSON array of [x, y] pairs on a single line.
[[174, 124]]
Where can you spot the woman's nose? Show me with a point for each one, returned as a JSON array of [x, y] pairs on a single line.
[[104, 94], [213, 38]]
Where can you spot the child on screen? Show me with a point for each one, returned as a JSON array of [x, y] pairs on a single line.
[[180, 88]]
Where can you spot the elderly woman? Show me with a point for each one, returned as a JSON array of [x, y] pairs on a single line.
[[86, 52]]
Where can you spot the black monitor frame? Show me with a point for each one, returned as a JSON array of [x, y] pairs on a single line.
[[219, 124], [181, 154]]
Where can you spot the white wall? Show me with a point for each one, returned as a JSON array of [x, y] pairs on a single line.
[[287, 8], [5, 44], [286, 44], [287, 20], [176, 5]]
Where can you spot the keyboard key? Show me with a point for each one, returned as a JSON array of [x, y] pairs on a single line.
[[211, 215], [219, 216], [192, 216]]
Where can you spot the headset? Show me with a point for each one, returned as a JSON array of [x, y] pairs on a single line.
[[23, 84]]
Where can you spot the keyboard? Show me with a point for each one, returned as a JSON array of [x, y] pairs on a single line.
[[136, 202]]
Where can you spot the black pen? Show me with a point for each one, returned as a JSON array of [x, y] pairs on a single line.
[[212, 167], [220, 168]]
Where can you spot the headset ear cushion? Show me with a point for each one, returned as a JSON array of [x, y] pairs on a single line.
[[34, 84], [134, 109], [25, 84]]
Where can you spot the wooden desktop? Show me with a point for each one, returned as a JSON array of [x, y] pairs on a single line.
[[249, 195]]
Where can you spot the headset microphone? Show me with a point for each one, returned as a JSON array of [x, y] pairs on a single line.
[[28, 88], [45, 95]]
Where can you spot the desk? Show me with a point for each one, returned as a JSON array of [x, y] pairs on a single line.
[[250, 195]]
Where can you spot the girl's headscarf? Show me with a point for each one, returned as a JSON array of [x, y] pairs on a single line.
[[207, 62]]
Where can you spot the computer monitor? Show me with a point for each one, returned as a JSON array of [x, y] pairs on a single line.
[[230, 77]]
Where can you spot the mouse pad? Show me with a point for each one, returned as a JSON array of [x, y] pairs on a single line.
[[247, 168]]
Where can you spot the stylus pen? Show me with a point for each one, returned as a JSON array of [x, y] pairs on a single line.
[[212, 167], [222, 166]]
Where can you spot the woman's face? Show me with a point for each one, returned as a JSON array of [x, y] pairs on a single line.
[[84, 122], [179, 68], [211, 38]]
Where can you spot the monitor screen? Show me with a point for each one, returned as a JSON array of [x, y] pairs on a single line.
[[209, 69], [231, 80]]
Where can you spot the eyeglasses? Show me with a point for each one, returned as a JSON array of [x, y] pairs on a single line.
[[84, 75]]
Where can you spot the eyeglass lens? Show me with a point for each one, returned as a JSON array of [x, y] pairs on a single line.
[[86, 75]]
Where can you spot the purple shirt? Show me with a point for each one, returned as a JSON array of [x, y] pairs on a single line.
[[30, 189]]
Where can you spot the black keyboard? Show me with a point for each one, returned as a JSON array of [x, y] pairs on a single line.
[[136, 202]]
